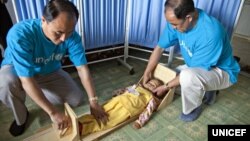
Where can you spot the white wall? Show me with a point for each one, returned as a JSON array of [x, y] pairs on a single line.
[[243, 28]]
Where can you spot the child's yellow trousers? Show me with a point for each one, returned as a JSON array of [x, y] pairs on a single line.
[[119, 109]]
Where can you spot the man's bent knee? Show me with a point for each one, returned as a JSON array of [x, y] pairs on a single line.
[[75, 100], [187, 78]]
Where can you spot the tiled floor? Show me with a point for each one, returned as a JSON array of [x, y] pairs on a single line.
[[232, 107]]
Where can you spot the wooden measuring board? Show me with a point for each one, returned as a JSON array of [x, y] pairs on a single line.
[[72, 134]]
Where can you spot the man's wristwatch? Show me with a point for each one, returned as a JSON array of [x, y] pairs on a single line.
[[167, 86], [95, 98]]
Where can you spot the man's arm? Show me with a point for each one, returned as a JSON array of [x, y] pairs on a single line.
[[161, 90], [96, 110], [32, 89], [153, 61]]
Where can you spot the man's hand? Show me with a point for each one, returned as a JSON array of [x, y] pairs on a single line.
[[98, 112], [146, 78], [161, 91], [60, 120]]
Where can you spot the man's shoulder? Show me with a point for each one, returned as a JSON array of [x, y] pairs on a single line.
[[28, 24], [74, 39], [208, 18], [26, 27], [210, 25]]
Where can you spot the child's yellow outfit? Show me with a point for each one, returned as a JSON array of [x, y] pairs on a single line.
[[119, 109]]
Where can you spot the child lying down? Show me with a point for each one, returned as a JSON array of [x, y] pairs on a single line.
[[127, 103]]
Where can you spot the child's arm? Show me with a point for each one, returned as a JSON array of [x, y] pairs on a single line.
[[147, 113]]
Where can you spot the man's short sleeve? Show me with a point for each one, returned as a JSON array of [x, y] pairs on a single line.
[[20, 52], [76, 50], [168, 37]]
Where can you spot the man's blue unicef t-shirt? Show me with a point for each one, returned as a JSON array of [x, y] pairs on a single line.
[[206, 45], [31, 53]]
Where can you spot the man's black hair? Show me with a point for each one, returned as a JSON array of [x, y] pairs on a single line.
[[55, 7], [181, 7]]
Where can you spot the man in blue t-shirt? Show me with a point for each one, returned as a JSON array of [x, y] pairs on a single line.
[[32, 65], [207, 52]]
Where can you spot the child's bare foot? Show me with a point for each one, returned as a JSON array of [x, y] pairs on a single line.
[[136, 125]]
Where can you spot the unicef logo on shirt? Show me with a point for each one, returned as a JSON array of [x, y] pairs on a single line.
[[53, 57], [58, 57], [182, 43]]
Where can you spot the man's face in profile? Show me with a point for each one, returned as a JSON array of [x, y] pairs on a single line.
[[182, 25], [59, 29]]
